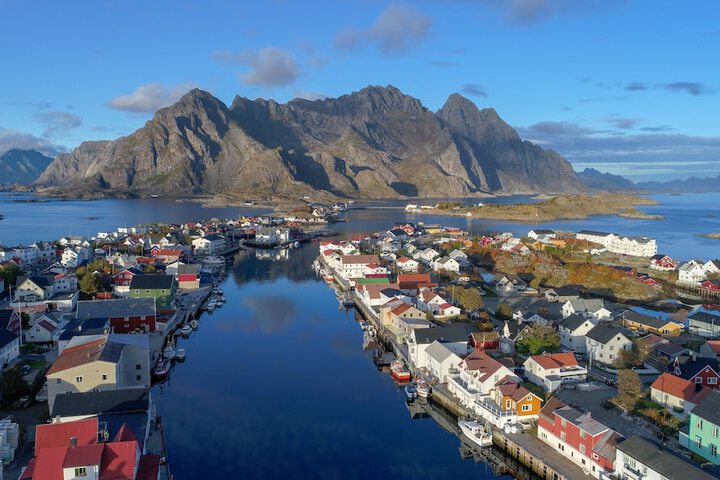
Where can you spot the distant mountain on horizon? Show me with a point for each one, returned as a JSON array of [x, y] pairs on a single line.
[[22, 166], [597, 180], [374, 143]]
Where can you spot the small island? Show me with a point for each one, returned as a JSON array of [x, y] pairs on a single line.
[[714, 236], [560, 207]]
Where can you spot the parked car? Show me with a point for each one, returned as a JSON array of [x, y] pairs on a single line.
[[26, 369]]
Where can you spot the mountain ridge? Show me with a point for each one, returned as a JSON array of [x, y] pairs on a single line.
[[374, 143], [22, 166]]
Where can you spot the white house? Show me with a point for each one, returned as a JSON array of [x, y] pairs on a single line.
[[459, 256], [441, 362], [536, 234], [678, 395], [692, 272], [454, 337], [63, 283], [9, 346], [447, 264], [209, 245], [637, 458], [407, 264], [356, 266], [573, 330], [479, 373], [590, 308], [604, 342], [551, 370], [34, 289], [506, 284], [624, 245]]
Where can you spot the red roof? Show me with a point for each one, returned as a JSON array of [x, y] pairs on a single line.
[[402, 259], [679, 387], [125, 434], [556, 360], [59, 434], [119, 461], [83, 455], [47, 465], [149, 467], [481, 362], [78, 355], [714, 346], [401, 308], [414, 278]]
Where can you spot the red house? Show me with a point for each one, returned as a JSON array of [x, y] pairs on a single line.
[[484, 340], [698, 370], [126, 315], [711, 285], [578, 437], [124, 278]]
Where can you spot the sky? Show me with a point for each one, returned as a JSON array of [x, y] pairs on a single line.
[[627, 87]]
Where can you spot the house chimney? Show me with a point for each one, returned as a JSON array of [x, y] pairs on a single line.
[[693, 356], [73, 442]]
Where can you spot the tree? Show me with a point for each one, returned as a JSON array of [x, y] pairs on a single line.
[[9, 273], [504, 311], [470, 298], [629, 389], [13, 385], [540, 338], [633, 357], [90, 284]]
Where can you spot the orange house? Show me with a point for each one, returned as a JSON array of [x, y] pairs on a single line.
[[510, 395]]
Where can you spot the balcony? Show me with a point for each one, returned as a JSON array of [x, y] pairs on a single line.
[[493, 408]]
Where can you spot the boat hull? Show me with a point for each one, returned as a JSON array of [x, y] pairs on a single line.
[[484, 440]]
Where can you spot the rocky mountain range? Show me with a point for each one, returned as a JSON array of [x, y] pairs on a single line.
[[22, 166], [596, 180], [377, 142]]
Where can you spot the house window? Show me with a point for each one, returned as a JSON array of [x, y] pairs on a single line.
[[507, 404], [563, 436], [595, 456], [563, 422], [81, 472], [698, 379], [104, 377], [712, 381], [713, 450], [138, 366], [715, 431], [582, 449], [138, 377], [527, 408], [699, 424], [58, 381], [698, 441], [583, 434], [78, 379]]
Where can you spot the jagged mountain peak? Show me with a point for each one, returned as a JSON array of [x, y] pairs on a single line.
[[19, 165]]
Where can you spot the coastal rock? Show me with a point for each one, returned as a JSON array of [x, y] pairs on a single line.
[[22, 166]]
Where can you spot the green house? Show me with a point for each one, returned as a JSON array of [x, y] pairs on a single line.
[[160, 287], [703, 437]]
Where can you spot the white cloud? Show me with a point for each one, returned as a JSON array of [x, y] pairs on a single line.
[[310, 95], [269, 67], [58, 123], [396, 30], [149, 98], [10, 139]]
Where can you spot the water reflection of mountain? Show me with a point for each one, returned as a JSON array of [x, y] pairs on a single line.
[[269, 265]]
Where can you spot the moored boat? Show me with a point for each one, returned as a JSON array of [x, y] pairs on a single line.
[[180, 354], [399, 371], [169, 352], [411, 392], [475, 432], [423, 389], [194, 324], [186, 330], [161, 369]]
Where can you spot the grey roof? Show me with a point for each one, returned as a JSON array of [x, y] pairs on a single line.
[[593, 232], [152, 282], [709, 408], [705, 317], [111, 352], [438, 351], [6, 336], [573, 322], [447, 333], [188, 269], [582, 420], [587, 304], [643, 319], [119, 307], [604, 333], [42, 281], [94, 403], [543, 231], [661, 461], [565, 291]]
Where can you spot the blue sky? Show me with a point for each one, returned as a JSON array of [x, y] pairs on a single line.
[[630, 87]]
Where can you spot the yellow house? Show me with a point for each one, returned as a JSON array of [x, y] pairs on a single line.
[[510, 395], [659, 326], [92, 366]]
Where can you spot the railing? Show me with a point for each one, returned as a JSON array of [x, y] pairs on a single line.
[[493, 408]]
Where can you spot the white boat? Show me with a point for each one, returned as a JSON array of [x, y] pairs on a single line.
[[210, 307], [213, 260], [161, 369], [475, 432], [180, 354], [423, 389], [219, 291], [169, 352], [186, 330], [194, 324], [411, 392]]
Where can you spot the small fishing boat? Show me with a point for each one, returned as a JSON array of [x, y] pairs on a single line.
[[348, 301], [475, 432], [399, 372], [423, 389], [180, 354], [365, 326], [213, 260], [169, 352], [161, 369], [411, 392], [186, 330], [194, 324]]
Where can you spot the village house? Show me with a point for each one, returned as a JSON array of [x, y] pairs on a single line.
[[691, 273], [549, 371], [698, 370], [159, 287], [508, 284], [427, 255], [406, 264], [676, 394], [710, 349], [561, 294], [188, 276], [65, 283], [83, 449], [453, 337], [401, 318], [43, 327], [637, 458], [623, 245], [126, 315], [704, 324], [638, 321], [515, 400], [662, 263], [209, 245], [537, 234], [33, 289], [590, 308], [604, 342], [512, 332], [441, 361], [489, 340], [703, 435], [9, 346], [413, 283], [356, 266], [578, 437], [371, 296], [446, 264], [573, 330]]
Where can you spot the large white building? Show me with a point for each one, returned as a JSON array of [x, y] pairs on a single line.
[[624, 245], [637, 458]]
